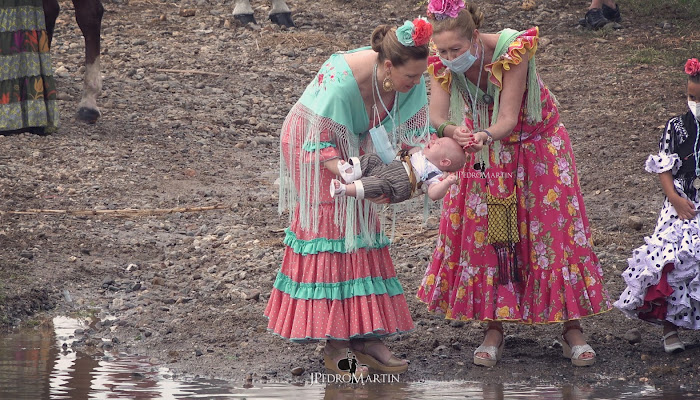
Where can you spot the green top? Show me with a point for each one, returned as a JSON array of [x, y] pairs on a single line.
[[334, 94]]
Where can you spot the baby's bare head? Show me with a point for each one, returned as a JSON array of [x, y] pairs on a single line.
[[446, 154]]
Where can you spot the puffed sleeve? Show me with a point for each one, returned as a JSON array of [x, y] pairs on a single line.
[[667, 159], [522, 48]]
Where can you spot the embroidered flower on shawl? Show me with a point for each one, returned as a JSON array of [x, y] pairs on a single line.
[[414, 33], [692, 67], [441, 9]]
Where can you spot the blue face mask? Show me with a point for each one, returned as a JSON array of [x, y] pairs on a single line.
[[460, 64]]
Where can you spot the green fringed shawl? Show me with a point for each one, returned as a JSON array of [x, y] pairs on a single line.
[[331, 113], [458, 104]]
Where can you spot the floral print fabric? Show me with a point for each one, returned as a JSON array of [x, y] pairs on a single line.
[[562, 278], [27, 86]]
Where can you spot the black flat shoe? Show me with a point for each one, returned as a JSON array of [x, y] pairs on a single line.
[[612, 14], [595, 18]]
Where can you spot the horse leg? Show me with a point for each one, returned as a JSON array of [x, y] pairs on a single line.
[[88, 14], [243, 12], [280, 14], [51, 10]]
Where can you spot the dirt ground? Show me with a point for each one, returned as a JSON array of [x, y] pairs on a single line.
[[188, 289]]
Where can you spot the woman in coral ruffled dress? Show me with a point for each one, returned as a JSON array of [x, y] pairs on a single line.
[[337, 282], [533, 263]]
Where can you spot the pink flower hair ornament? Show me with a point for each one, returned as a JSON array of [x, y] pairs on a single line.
[[442, 9], [692, 67], [414, 33]]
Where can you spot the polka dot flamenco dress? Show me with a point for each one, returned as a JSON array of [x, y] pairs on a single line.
[[663, 275]]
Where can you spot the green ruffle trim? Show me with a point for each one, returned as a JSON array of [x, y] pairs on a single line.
[[310, 147], [320, 245], [339, 290]]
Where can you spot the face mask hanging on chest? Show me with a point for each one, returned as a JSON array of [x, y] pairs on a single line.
[[694, 108], [382, 145], [460, 64]]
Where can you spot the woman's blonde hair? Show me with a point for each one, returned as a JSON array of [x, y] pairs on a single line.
[[468, 19], [387, 45]]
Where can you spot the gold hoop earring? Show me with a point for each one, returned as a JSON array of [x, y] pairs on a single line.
[[387, 84]]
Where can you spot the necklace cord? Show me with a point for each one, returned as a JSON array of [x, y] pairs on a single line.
[[395, 107]]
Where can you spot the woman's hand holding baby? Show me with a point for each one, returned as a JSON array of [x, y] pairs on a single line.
[[475, 142], [462, 135]]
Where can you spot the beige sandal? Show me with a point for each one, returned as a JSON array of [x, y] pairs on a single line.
[[494, 352], [575, 352], [340, 361], [675, 347], [392, 366]]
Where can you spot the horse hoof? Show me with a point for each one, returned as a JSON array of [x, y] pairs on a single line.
[[283, 19], [88, 115], [245, 19]]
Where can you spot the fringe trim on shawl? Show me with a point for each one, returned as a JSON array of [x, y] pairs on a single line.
[[305, 129], [459, 107]]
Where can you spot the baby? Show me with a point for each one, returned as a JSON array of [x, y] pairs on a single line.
[[416, 171]]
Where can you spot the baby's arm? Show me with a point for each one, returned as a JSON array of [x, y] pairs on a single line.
[[439, 189]]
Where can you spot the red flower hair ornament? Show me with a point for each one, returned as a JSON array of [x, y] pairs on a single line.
[[692, 67], [414, 33]]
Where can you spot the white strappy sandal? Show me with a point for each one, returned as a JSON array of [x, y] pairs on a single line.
[[673, 348], [575, 352], [494, 352], [339, 190], [353, 164]]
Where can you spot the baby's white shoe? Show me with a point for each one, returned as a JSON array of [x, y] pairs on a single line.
[[337, 188], [349, 172]]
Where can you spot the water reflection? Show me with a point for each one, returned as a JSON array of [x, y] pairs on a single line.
[[24, 361], [434, 390], [41, 363]]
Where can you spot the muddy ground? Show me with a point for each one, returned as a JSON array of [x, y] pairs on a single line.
[[188, 289]]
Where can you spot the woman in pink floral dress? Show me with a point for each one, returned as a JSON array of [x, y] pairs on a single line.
[[506, 118]]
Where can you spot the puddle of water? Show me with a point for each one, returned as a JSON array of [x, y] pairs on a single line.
[[40, 364]]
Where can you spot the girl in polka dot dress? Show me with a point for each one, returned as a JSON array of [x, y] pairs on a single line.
[[663, 277]]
